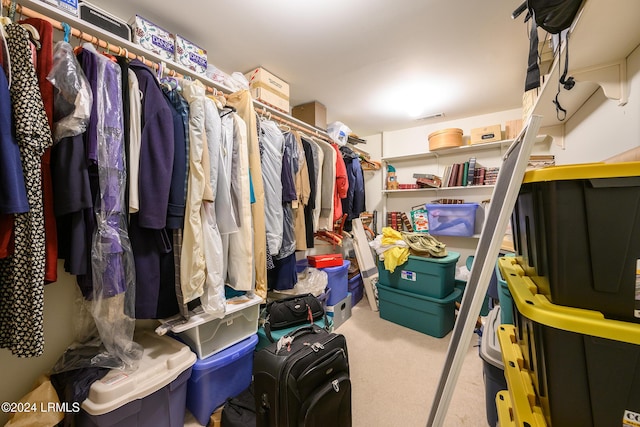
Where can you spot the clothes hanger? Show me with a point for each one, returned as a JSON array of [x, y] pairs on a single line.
[[3, 34], [66, 28], [284, 127], [34, 35]]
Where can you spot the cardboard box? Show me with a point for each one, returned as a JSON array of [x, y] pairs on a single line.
[[529, 99], [268, 97], [486, 134], [153, 38], [69, 6], [313, 113], [261, 78], [104, 20], [190, 55], [512, 128]]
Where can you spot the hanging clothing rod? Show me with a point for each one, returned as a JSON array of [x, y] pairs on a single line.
[[121, 51], [269, 113]]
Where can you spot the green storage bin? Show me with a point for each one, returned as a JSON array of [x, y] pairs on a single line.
[[431, 316], [506, 301], [429, 277], [461, 284]]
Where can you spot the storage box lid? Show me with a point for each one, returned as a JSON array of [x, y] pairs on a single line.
[[163, 360], [337, 269], [539, 309], [460, 206], [452, 257], [223, 358], [443, 131], [418, 300], [583, 171], [489, 345]]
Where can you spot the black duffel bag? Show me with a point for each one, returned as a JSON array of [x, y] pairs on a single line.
[[292, 311]]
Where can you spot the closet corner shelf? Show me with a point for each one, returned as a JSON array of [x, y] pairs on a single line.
[[596, 58], [542, 139]]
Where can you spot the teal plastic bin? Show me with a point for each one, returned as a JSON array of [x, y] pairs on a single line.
[[461, 284], [431, 316], [429, 277], [505, 298]]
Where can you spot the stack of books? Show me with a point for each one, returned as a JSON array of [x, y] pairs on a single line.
[[399, 221], [468, 173]]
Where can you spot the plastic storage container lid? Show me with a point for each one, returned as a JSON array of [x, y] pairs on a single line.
[[489, 345], [224, 358], [583, 171], [538, 308], [451, 257], [337, 268], [163, 360]]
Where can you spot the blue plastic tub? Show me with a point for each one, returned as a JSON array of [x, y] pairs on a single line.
[[356, 288], [219, 377], [337, 279], [452, 220], [338, 282]]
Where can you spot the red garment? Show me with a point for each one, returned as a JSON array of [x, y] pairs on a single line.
[[43, 67], [6, 235], [6, 221], [342, 184]]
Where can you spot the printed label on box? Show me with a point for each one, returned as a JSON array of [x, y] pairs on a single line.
[[631, 419], [409, 275], [153, 38], [190, 55], [69, 6]]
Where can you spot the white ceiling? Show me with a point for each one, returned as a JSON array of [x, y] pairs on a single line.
[[366, 60]]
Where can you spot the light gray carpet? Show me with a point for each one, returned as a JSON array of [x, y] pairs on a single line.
[[395, 372]]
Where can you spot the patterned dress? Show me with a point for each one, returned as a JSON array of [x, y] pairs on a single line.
[[22, 274]]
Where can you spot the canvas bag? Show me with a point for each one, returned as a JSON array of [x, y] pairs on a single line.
[[240, 411]]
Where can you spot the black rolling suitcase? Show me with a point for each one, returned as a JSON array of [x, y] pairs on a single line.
[[303, 380]]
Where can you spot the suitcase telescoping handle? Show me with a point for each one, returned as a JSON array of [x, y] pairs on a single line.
[[286, 340]]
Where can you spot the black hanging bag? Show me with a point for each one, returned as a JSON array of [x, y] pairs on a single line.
[[554, 16]]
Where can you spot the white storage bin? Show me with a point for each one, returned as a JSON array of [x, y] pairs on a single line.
[[152, 395], [207, 335], [340, 312]]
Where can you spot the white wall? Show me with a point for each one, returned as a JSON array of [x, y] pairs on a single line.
[[601, 128]]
